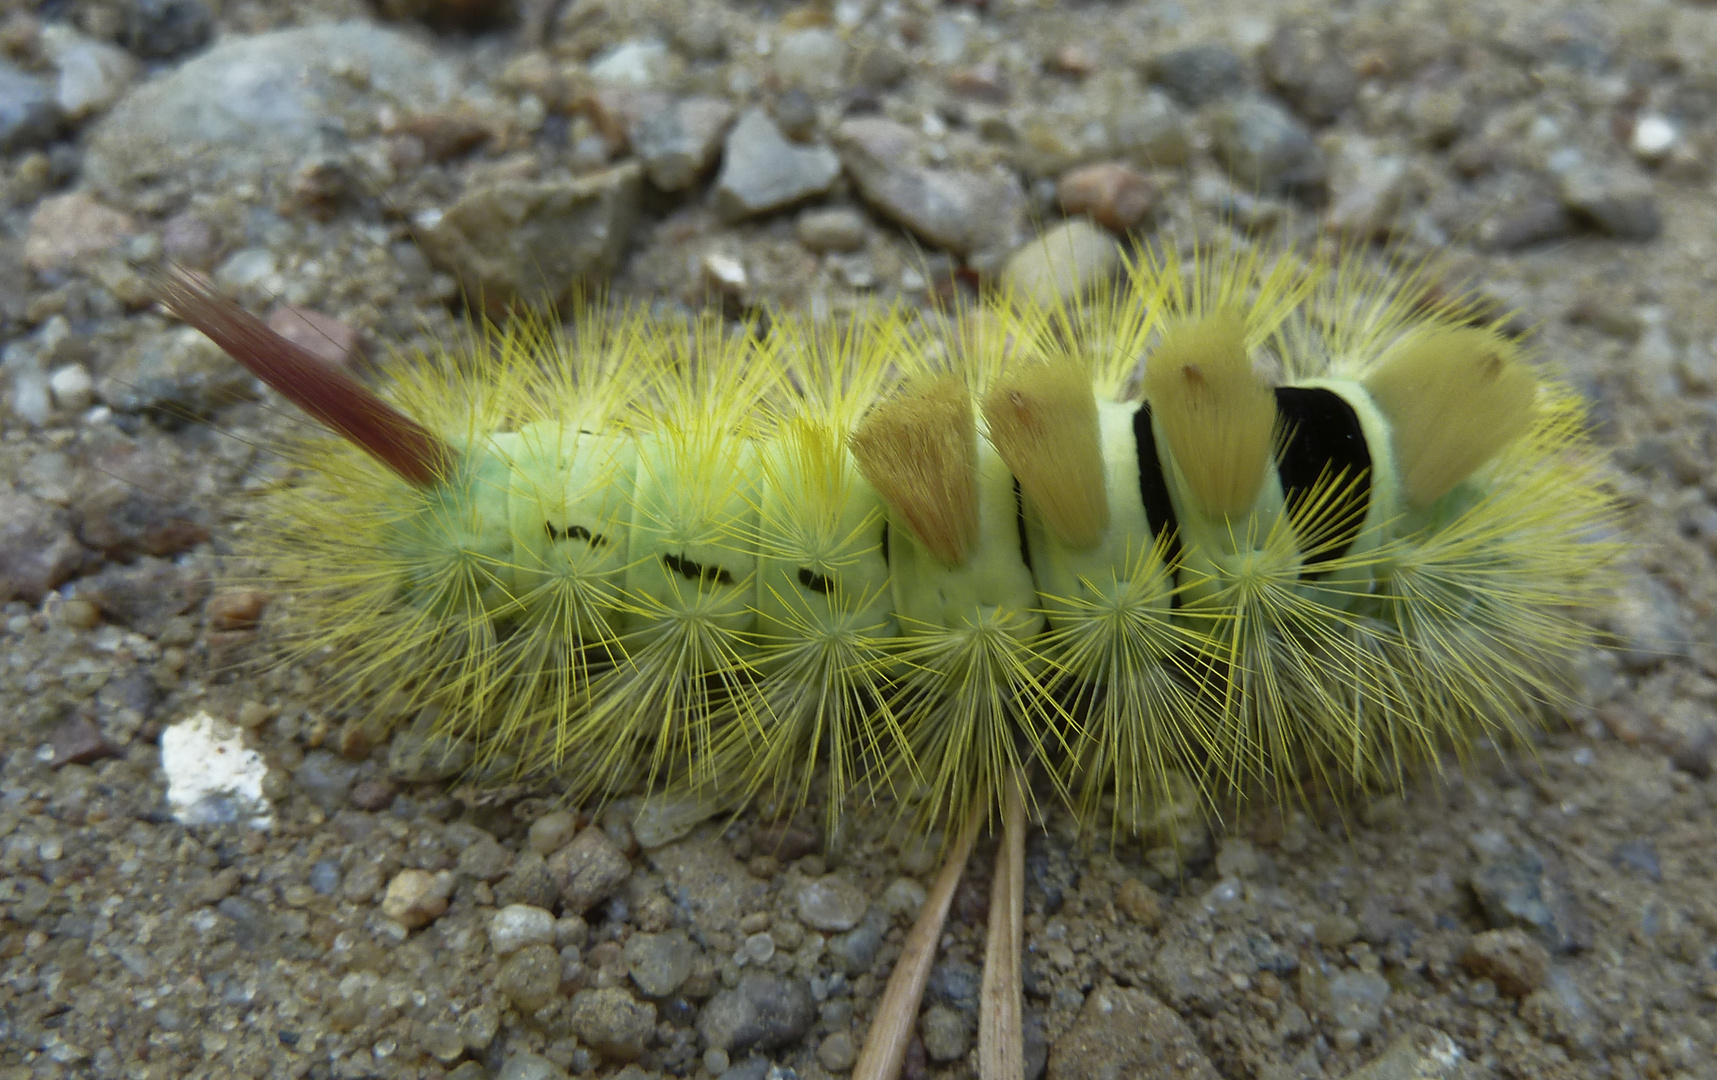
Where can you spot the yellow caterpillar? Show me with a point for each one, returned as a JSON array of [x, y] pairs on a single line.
[[1244, 519]]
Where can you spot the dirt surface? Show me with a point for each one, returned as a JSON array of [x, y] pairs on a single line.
[[1547, 911]]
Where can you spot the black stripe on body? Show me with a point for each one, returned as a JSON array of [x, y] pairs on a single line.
[[575, 532], [1324, 443], [1154, 487], [694, 571], [817, 583]]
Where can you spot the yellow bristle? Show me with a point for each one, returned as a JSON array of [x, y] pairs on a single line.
[[1455, 396], [919, 451], [1043, 422], [1218, 416]]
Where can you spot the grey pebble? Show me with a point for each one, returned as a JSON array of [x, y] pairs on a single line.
[[831, 902], [326, 777], [528, 882], [28, 115], [588, 870], [837, 1052], [1512, 959], [1525, 223], [1617, 203], [1515, 888], [530, 977], [1198, 74], [762, 171], [160, 29], [173, 373], [325, 877], [613, 1023], [1128, 1033], [836, 228], [1310, 70], [517, 926], [659, 963], [680, 143], [553, 831], [966, 211], [945, 1034], [536, 239], [484, 859], [1050, 873], [1356, 1000], [856, 949], [1063, 264], [1266, 148], [37, 549], [1151, 130], [145, 595], [955, 983], [1430, 1055], [764, 1011], [528, 1066], [1640, 857]]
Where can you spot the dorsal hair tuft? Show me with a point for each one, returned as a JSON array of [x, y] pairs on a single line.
[[1455, 396], [919, 451], [1043, 422], [1218, 415]]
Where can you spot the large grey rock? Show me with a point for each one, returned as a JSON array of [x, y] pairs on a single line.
[[1128, 1033], [762, 170]]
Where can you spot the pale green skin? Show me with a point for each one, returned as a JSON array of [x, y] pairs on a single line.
[[650, 497]]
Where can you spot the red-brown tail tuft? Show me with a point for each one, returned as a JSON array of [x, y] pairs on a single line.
[[331, 396]]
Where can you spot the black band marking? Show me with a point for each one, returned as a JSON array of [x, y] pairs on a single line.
[[1153, 487], [1019, 523], [693, 571], [817, 583], [575, 532], [1325, 446], [885, 556]]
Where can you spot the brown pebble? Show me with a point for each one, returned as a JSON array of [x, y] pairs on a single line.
[[67, 231], [76, 741], [372, 794], [1075, 58], [1512, 959], [237, 610], [1140, 903], [1116, 196], [588, 870], [417, 898]]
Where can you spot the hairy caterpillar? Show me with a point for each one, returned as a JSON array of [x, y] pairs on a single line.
[[1241, 519]]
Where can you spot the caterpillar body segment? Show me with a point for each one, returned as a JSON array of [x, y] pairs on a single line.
[[1226, 526]]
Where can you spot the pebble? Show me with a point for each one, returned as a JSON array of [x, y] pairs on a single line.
[[326, 777], [1050, 873], [28, 115], [968, 212], [666, 818], [530, 978], [955, 983], [67, 231], [835, 228], [1310, 70], [904, 898], [643, 64], [421, 753], [146, 594], [1367, 187], [238, 610], [680, 143], [813, 59], [37, 549], [327, 338], [588, 870], [1515, 889], [1115, 195], [831, 903], [372, 794], [1654, 137], [76, 741], [325, 877], [1150, 130], [763, 1011], [763, 171], [1198, 74], [535, 239], [1431, 1055], [612, 1022], [1527, 223], [944, 1033], [1512, 959], [659, 963], [856, 949], [91, 74], [528, 1066], [161, 29], [1128, 1033], [1266, 148], [1139, 902], [1063, 264], [417, 898], [528, 882], [1356, 1000], [1639, 856], [519, 925], [837, 1052], [253, 105], [1616, 203], [553, 831]]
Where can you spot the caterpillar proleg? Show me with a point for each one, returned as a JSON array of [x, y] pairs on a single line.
[[1244, 520]]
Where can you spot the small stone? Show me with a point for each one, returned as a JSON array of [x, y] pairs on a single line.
[[856, 949], [1265, 148], [83, 615], [528, 1066], [1063, 264], [1367, 187], [796, 115], [659, 963], [836, 228], [519, 239], [643, 64], [588, 870], [831, 903], [1356, 1000], [529, 882], [1515, 889], [967, 212], [1150, 130], [813, 59], [326, 777], [76, 741], [1431, 1055], [1640, 856], [1654, 137], [1198, 74], [236, 610], [327, 338], [955, 983], [762, 171], [1310, 70], [680, 143], [530, 978], [762, 1012], [1116, 196], [38, 551], [146, 594], [1512, 959], [1618, 204], [944, 1033], [372, 794], [160, 29], [417, 898], [1335, 931], [612, 1022], [72, 388], [1525, 223], [423, 753], [837, 1053], [66, 231], [484, 859], [553, 831], [1128, 1033], [1139, 902], [28, 115], [882, 66], [92, 74], [517, 926], [666, 818], [903, 898]]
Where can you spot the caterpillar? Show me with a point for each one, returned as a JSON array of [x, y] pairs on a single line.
[[1243, 519]]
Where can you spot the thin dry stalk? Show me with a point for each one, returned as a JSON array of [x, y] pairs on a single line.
[[1001, 1018]]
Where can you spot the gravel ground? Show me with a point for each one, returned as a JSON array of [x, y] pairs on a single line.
[[1547, 913]]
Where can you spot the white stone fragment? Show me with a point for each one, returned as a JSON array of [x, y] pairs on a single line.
[[212, 779]]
